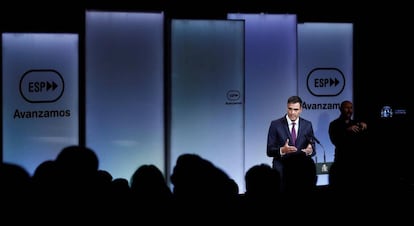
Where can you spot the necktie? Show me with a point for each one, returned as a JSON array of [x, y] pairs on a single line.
[[293, 133]]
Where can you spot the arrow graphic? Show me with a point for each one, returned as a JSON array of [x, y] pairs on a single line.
[[52, 86], [332, 81]]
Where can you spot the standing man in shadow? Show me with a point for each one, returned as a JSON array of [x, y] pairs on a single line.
[[349, 138]]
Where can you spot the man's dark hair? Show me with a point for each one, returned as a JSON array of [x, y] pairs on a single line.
[[294, 99]]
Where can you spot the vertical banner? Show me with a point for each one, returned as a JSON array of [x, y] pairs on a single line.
[[270, 77], [207, 76], [40, 96], [125, 90], [325, 80]]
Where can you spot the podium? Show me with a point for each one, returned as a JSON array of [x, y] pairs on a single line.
[[323, 167]]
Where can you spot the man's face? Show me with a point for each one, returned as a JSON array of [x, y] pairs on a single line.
[[293, 111], [347, 110]]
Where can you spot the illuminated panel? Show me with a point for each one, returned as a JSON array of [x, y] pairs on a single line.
[[271, 72], [125, 90], [325, 80], [40, 96], [207, 92]]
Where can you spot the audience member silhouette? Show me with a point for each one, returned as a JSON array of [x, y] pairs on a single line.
[[46, 175], [78, 168], [300, 176], [262, 183], [201, 188], [150, 192], [72, 187], [263, 190], [121, 191], [46, 184], [79, 184], [121, 202], [16, 193]]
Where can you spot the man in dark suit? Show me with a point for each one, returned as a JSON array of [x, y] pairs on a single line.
[[346, 133], [349, 136], [281, 143]]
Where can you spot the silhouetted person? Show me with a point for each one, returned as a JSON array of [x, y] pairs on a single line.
[[15, 193], [121, 191], [46, 175], [346, 133], [262, 184], [201, 189], [300, 176], [80, 185], [299, 198], [150, 192], [350, 140], [46, 186]]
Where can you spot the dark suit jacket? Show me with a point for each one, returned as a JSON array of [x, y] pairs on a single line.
[[346, 143], [279, 133]]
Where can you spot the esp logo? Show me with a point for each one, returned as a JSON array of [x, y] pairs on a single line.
[[41, 86], [325, 82]]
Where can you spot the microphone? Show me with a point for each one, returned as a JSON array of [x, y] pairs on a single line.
[[324, 166], [317, 141], [313, 138]]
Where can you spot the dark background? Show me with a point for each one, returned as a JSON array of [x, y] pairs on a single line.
[[382, 53]]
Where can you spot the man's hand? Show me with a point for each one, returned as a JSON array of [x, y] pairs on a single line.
[[287, 148], [308, 150]]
